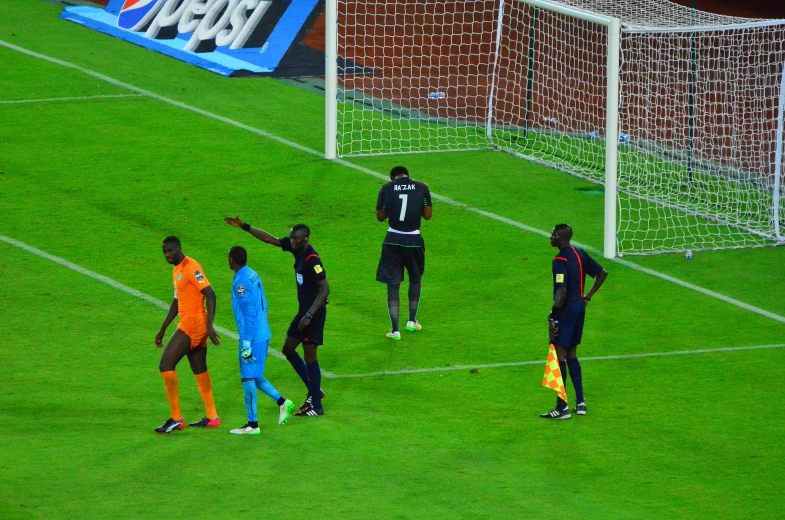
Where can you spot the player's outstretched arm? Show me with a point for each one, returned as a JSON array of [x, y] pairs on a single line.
[[264, 236], [597, 284], [170, 316], [209, 296]]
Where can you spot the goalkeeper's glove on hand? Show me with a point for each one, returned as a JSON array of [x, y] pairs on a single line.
[[246, 353]]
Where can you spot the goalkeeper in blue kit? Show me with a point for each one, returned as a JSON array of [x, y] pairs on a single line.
[[250, 313]]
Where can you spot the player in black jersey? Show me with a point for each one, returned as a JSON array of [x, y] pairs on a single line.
[[307, 327], [405, 203]]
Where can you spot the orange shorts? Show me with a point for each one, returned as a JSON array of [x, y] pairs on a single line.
[[196, 329]]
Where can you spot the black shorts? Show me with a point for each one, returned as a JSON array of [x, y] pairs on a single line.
[[397, 257], [571, 325], [314, 333]]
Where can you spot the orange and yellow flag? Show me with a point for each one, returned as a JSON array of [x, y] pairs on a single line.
[[553, 378]]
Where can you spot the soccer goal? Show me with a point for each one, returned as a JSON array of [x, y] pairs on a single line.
[[677, 112]]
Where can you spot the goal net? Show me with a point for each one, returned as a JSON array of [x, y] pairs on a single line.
[[680, 116]]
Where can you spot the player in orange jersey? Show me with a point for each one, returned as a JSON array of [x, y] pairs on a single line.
[[191, 289]]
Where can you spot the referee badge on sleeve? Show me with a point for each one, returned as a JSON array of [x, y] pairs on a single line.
[[240, 291], [559, 278]]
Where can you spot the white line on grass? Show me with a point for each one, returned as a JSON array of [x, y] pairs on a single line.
[[80, 98], [542, 361], [330, 375], [122, 287], [378, 175]]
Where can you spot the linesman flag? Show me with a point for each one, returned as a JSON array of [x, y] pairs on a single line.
[[552, 378]]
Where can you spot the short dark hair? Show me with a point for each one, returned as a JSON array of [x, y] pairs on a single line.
[[171, 239], [565, 229], [239, 255], [398, 171], [302, 227]]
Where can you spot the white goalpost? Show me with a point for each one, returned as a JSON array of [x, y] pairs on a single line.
[[678, 113]]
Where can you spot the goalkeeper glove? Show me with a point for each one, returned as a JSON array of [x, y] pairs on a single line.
[[246, 353]]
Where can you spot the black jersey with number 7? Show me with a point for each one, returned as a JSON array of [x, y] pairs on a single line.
[[404, 199]]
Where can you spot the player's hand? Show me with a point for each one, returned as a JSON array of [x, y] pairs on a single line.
[[586, 301], [214, 337], [246, 355], [159, 339], [304, 323], [234, 221], [553, 328]]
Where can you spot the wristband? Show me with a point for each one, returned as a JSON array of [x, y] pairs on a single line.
[[308, 315], [246, 227], [245, 343]]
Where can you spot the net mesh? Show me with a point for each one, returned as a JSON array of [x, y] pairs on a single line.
[[650, 14], [698, 111], [414, 76]]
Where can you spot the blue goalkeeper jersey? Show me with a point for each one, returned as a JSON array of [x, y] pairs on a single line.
[[250, 306]]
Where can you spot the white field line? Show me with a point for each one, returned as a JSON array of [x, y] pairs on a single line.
[[378, 175], [330, 375], [542, 361], [80, 98], [124, 288]]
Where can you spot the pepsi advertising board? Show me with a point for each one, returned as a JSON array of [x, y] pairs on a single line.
[[228, 37]]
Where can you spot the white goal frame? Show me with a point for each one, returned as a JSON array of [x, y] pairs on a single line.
[[612, 79], [612, 109]]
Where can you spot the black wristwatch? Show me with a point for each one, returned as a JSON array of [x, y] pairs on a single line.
[[308, 315]]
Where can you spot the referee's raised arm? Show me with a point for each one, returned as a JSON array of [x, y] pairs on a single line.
[[264, 236]]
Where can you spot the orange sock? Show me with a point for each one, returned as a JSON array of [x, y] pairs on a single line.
[[172, 393], [206, 389]]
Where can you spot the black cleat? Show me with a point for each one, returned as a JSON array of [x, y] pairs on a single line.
[[557, 414], [310, 411], [170, 425], [580, 408], [207, 423], [307, 403]]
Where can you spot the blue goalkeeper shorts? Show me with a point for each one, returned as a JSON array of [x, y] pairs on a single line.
[[256, 369]]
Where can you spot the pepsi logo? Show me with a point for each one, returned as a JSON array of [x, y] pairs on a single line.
[[137, 13]]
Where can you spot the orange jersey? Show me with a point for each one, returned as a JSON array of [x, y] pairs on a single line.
[[189, 280]]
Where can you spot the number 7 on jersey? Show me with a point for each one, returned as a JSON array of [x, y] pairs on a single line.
[[405, 198]]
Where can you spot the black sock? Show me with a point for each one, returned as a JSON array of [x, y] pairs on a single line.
[[253, 424], [414, 299], [394, 304], [315, 385], [280, 401], [577, 378], [560, 404], [299, 366]]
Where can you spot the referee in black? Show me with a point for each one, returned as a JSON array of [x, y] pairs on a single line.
[[565, 323], [405, 202]]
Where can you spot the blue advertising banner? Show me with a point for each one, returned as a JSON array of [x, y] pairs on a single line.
[[228, 37]]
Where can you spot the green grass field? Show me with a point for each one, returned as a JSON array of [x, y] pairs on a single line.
[[99, 182]]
